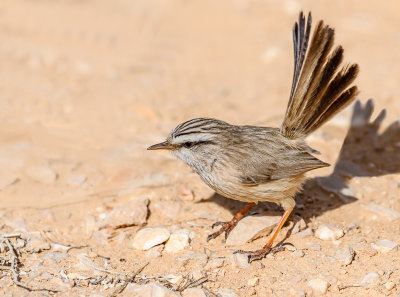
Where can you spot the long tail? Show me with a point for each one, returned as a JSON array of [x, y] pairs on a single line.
[[319, 88]]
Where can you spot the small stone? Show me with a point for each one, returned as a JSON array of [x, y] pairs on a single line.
[[345, 255], [146, 238], [298, 254], [227, 293], [384, 212], [154, 252], [177, 241], [194, 292], [131, 213], [215, 263], [36, 243], [304, 233], [250, 228], [329, 232], [385, 245], [299, 226], [76, 180], [148, 290], [370, 279], [252, 282], [389, 285], [239, 260], [169, 209], [318, 286], [42, 173]]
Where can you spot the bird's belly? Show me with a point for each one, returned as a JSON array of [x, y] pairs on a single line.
[[272, 191]]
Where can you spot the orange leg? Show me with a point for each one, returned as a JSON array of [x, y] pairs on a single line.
[[227, 227], [257, 255]]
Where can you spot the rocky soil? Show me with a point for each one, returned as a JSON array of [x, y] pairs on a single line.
[[86, 86]]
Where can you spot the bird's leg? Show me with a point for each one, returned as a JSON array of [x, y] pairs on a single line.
[[227, 227], [257, 255]]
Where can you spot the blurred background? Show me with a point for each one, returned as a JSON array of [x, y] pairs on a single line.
[[86, 86]]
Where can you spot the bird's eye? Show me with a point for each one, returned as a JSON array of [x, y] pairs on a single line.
[[188, 144]]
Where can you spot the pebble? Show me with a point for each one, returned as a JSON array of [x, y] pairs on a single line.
[[298, 254], [36, 243], [345, 255], [251, 227], [305, 233], [318, 286], [215, 263], [389, 285], [389, 214], [148, 237], [385, 245], [370, 279], [177, 241], [253, 281], [76, 179], [227, 293], [299, 226], [148, 290], [42, 173], [154, 252], [239, 260], [131, 213], [329, 232], [194, 292], [169, 209]]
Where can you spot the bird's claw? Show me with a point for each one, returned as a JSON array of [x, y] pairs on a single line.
[[259, 254], [226, 228]]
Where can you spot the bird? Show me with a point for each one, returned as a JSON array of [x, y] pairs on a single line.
[[256, 164]]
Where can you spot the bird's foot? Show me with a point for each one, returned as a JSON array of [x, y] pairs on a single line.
[[226, 227], [260, 254]]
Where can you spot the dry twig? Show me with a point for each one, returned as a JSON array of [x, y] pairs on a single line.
[[128, 280]]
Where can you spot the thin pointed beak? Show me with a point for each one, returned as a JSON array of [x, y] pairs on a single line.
[[161, 146]]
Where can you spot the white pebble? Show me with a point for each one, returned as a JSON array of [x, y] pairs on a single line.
[[148, 237], [385, 245], [389, 285], [177, 241], [253, 282], [370, 279], [318, 286], [329, 232], [345, 255]]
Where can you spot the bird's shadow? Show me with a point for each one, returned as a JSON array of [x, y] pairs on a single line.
[[365, 152]]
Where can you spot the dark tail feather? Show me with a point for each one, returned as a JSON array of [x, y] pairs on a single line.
[[319, 89]]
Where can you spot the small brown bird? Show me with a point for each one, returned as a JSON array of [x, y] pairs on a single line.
[[256, 164]]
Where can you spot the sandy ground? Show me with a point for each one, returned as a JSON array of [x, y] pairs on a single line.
[[86, 86]]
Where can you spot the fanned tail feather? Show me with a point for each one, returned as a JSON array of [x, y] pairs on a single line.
[[320, 89]]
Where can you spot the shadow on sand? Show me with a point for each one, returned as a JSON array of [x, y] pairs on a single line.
[[365, 153]]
